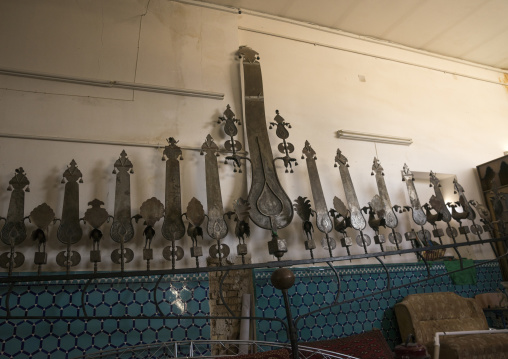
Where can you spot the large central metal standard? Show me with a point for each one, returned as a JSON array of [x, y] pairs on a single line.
[[217, 227], [173, 228], [70, 230], [14, 230], [323, 220], [356, 217], [271, 207], [357, 220], [122, 229], [439, 199], [390, 217], [419, 216]]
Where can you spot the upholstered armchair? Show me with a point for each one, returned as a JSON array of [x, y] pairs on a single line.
[[425, 314]]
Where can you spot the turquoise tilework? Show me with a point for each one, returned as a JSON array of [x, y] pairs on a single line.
[[317, 287], [41, 338]]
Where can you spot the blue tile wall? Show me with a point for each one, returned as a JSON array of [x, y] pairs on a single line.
[[41, 338], [316, 287]]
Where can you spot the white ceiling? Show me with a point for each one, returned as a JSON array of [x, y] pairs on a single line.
[[472, 30]]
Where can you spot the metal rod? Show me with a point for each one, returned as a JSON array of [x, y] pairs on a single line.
[[293, 337], [99, 142], [273, 264], [111, 84]]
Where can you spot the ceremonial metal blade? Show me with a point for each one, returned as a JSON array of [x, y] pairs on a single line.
[[122, 229], [173, 228], [357, 219], [389, 216], [270, 206], [463, 200], [69, 231], [356, 216], [217, 227], [389, 213], [445, 213], [323, 220], [14, 230], [467, 211], [418, 214]]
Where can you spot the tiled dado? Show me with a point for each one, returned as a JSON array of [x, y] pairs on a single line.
[[317, 286], [42, 338]]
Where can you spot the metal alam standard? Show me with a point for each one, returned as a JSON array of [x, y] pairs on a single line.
[[266, 206]]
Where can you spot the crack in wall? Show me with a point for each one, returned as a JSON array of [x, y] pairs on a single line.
[[139, 38]]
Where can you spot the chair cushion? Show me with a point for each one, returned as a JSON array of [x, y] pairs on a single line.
[[477, 346]]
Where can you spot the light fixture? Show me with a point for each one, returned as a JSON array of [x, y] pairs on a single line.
[[370, 137]]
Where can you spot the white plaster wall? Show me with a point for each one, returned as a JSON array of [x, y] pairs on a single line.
[[455, 122]]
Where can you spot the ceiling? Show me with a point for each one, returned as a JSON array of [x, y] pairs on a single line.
[[472, 30]]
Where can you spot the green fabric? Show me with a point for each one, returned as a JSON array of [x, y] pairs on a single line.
[[466, 276]]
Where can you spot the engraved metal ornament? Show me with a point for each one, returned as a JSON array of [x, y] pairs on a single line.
[[116, 256], [323, 220], [375, 208], [357, 219], [424, 236], [395, 237], [173, 227], [441, 208], [241, 208], [340, 207], [68, 259], [482, 211], [231, 130], [389, 217], [96, 216], [452, 232], [463, 200], [195, 212], [476, 229], [152, 210], [217, 227], [214, 251], [303, 209], [271, 206], [16, 261], [70, 231], [366, 239], [242, 228], [167, 253], [378, 206], [285, 147], [122, 228], [328, 243], [418, 214], [42, 216], [14, 230]]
